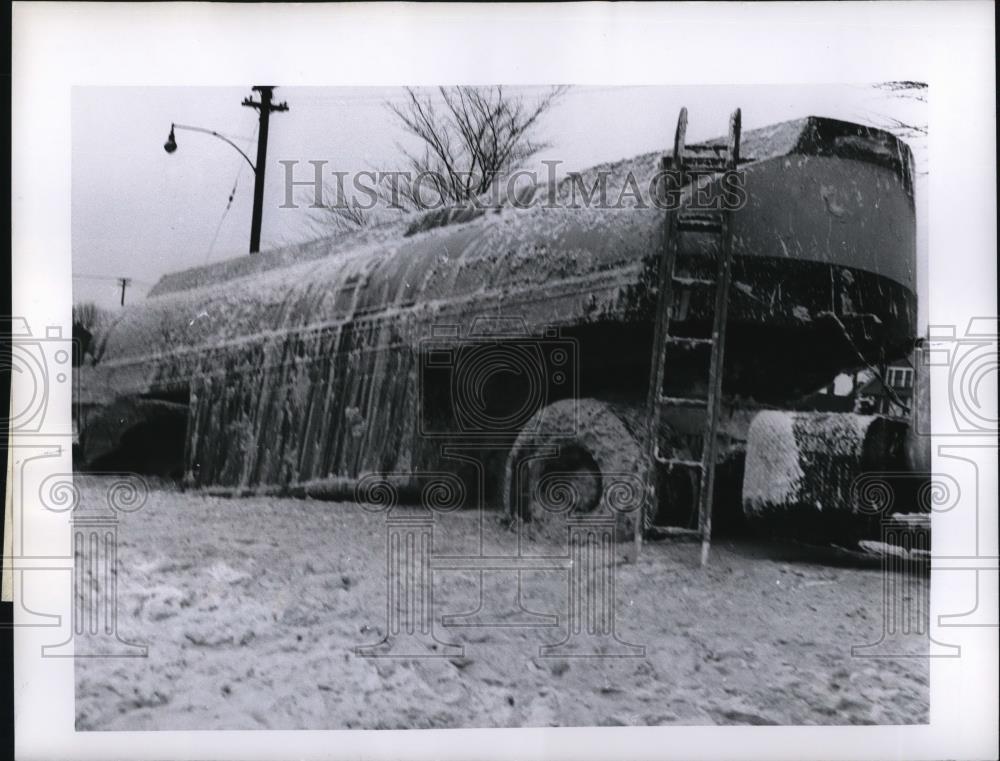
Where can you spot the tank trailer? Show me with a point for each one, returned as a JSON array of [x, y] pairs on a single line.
[[535, 344]]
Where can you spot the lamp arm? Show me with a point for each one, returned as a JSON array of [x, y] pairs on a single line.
[[221, 137]]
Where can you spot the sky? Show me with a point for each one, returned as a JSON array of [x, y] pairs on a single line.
[[138, 212]]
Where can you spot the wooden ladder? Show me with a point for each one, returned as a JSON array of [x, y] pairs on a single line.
[[683, 227]]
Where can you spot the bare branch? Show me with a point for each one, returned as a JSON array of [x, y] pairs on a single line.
[[469, 136], [903, 90]]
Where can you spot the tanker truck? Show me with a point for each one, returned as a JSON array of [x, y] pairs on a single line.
[[461, 343]]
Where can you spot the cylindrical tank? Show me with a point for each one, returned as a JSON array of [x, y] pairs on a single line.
[[305, 363]]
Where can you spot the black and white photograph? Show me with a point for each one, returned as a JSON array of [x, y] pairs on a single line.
[[461, 404], [435, 463]]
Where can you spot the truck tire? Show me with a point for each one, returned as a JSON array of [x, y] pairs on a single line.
[[576, 457]]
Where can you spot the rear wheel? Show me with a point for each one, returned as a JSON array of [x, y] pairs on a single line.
[[577, 457]]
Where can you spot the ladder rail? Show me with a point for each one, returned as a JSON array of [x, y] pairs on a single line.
[[673, 230], [664, 296], [706, 491]]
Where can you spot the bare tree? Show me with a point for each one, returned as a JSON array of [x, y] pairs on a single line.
[[905, 90], [89, 320], [341, 216], [86, 314], [906, 102], [478, 134], [470, 137]]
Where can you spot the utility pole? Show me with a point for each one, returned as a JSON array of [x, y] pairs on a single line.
[[265, 107], [124, 282]]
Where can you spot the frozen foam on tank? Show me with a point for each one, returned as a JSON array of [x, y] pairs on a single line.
[[773, 472]]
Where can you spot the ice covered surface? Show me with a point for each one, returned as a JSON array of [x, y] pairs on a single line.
[[242, 266], [800, 461], [773, 472], [483, 261], [809, 136], [278, 355], [252, 610], [509, 255]]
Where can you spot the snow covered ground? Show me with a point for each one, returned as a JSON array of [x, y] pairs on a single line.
[[252, 609]]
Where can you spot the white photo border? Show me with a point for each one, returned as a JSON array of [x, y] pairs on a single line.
[[949, 45]]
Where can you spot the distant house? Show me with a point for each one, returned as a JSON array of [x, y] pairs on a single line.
[[873, 397]]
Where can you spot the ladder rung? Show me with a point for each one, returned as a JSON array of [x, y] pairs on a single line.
[[676, 463], [694, 223], [675, 531], [689, 213], [682, 401], [693, 280], [689, 341], [909, 520], [718, 164], [708, 150]]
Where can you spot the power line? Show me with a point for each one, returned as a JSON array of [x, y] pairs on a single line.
[[118, 278], [229, 205]]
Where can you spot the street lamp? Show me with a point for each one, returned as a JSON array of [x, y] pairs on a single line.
[[171, 145], [265, 106]]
